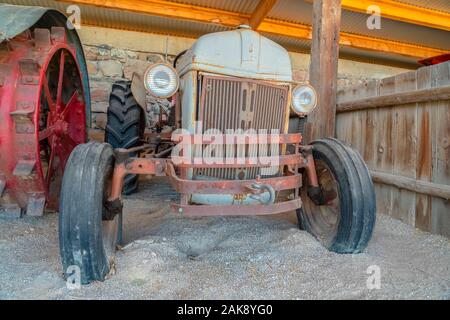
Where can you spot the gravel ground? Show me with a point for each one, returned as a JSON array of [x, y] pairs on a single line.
[[169, 257]]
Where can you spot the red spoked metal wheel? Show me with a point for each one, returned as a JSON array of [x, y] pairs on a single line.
[[42, 112]]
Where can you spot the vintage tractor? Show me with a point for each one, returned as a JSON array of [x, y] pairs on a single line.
[[44, 100], [230, 143]]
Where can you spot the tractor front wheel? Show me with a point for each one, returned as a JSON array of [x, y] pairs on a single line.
[[341, 214], [88, 227]]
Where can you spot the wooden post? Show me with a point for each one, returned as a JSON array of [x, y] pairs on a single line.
[[323, 67]]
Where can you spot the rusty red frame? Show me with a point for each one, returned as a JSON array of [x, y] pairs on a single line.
[[292, 179]]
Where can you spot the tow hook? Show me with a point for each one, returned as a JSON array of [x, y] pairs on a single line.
[[258, 189]]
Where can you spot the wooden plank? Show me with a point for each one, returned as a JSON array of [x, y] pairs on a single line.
[[369, 123], [411, 184], [323, 68], [384, 142], [261, 11], [404, 149], [174, 10], [359, 124], [343, 127], [440, 212], [407, 97], [399, 11], [424, 151], [344, 120]]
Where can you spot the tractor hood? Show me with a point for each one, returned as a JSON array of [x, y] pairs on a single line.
[[239, 53]]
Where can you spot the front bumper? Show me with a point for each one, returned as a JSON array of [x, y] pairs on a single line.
[[289, 182]]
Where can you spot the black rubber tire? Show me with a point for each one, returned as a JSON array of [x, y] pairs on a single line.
[[125, 125], [87, 240], [356, 196]]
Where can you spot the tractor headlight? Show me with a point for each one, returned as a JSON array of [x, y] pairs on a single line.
[[161, 80], [304, 98]]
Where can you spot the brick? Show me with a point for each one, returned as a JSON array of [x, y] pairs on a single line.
[[300, 75], [111, 68], [134, 65], [92, 67], [132, 54], [104, 50], [170, 59], [101, 84], [155, 58], [100, 95], [99, 120], [100, 106], [100, 91], [119, 54], [96, 135], [142, 56], [91, 53], [343, 82]]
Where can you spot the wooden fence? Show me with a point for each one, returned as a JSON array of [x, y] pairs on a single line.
[[401, 126]]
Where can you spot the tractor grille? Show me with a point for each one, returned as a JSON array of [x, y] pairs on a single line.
[[234, 103]]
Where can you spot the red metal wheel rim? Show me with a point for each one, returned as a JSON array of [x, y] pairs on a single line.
[[64, 127]]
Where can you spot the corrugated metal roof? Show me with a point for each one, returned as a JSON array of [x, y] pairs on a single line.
[[240, 6], [356, 23], [440, 5], [353, 22], [292, 11], [129, 20], [304, 46], [247, 6], [297, 11]]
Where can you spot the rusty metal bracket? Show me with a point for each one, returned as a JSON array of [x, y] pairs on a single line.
[[309, 165], [186, 186]]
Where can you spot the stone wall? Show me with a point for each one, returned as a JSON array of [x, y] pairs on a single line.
[[115, 54], [106, 65]]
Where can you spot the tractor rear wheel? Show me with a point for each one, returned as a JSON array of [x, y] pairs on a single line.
[[342, 216], [89, 228], [43, 116], [125, 125]]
